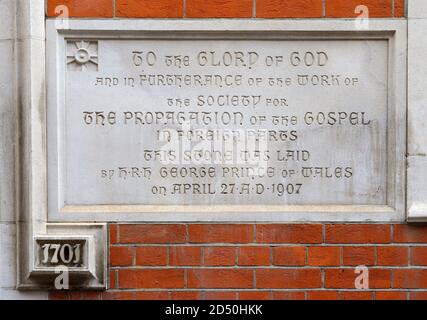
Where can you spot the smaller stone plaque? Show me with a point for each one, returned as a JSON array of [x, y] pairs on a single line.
[[54, 252]]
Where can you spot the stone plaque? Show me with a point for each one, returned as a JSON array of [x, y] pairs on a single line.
[[205, 121], [53, 252]]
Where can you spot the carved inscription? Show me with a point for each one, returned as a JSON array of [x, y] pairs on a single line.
[[205, 122], [61, 252]]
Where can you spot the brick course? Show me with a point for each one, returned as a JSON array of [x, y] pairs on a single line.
[[227, 8], [225, 263], [234, 267]]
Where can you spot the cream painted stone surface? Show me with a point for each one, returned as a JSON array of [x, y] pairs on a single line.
[[31, 191], [417, 111], [8, 266], [9, 145], [417, 9], [7, 9], [7, 132], [417, 143], [244, 122], [8, 247]]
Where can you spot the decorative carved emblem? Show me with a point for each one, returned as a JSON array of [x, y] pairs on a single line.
[[82, 55]]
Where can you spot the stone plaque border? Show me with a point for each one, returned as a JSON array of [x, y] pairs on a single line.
[[392, 30]]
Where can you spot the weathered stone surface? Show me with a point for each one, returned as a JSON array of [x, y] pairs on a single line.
[[417, 101], [321, 128], [231, 122]]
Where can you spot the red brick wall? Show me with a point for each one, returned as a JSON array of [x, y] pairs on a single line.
[[227, 8], [256, 261], [264, 261]]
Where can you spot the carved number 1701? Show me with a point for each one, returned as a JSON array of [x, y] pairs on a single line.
[[61, 253]]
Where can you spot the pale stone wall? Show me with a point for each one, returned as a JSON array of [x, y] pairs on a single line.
[[9, 122]]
